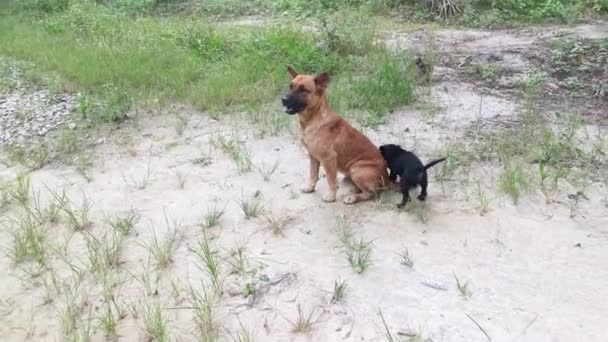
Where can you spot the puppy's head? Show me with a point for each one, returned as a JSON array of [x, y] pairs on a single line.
[[305, 91], [390, 151]]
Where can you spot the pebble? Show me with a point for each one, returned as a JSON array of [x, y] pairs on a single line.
[[27, 113]]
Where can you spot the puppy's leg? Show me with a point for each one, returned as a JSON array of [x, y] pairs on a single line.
[[331, 173], [367, 181], [313, 176], [405, 190], [392, 175], [423, 185]]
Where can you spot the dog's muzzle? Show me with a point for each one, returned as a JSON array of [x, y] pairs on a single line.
[[292, 106]]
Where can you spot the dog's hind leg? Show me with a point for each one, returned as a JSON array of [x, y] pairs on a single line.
[[405, 190], [366, 180], [423, 185]]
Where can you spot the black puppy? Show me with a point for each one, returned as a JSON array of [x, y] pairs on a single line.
[[409, 168]]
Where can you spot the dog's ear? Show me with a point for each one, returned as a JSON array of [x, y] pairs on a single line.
[[292, 72], [321, 81]]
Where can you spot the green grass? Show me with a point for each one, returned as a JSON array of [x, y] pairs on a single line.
[[513, 181], [152, 60]]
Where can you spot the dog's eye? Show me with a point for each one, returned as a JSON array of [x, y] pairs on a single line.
[[302, 89], [290, 86]]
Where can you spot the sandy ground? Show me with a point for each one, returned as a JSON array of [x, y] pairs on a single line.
[[534, 273]]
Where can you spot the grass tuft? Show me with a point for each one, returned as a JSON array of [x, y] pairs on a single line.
[[210, 262], [155, 322], [251, 207], [125, 223], [340, 291], [406, 258], [212, 217], [358, 255], [277, 224]]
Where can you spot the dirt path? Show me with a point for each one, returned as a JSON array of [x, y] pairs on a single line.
[[533, 272]]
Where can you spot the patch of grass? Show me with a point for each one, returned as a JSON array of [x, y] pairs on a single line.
[[143, 181], [358, 254], [463, 288], [210, 262], [577, 65], [251, 207], [20, 192], [29, 240], [212, 217], [532, 80], [162, 250], [238, 261], [104, 253], [345, 231], [108, 323], [5, 193], [487, 72], [340, 291], [406, 258], [481, 196], [202, 305], [513, 181], [78, 218], [267, 171], [243, 335], [49, 214], [180, 123], [155, 322], [240, 63], [236, 150], [123, 224], [277, 224], [303, 323]]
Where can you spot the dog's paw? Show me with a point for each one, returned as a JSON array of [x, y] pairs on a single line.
[[350, 199], [421, 197], [400, 205], [308, 189], [328, 197]]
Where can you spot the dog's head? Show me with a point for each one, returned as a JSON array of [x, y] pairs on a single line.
[[305, 91], [390, 151]]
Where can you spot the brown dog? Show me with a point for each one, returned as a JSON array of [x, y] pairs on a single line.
[[332, 142]]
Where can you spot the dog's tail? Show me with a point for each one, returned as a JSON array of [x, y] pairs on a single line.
[[432, 163]]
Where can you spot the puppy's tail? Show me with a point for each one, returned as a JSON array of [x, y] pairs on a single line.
[[432, 163]]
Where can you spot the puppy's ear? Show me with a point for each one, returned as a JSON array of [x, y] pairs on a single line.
[[321, 81], [292, 72]]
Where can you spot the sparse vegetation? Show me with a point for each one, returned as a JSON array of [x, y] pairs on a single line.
[[212, 217], [277, 224], [358, 254], [303, 323], [202, 305], [406, 258], [155, 322], [463, 288], [210, 262], [123, 224], [162, 250], [251, 207], [340, 291]]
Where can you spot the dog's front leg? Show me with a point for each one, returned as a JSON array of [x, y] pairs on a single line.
[[313, 175], [331, 172]]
